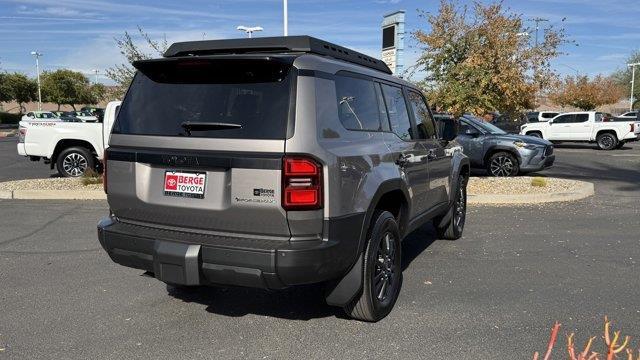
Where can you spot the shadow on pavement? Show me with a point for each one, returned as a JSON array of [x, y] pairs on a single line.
[[304, 302]]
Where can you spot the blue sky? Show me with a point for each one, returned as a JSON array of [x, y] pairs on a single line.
[[78, 34]]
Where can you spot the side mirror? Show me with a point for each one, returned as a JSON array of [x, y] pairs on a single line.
[[449, 130], [472, 132]]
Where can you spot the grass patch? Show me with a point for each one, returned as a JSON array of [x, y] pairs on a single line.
[[91, 177], [539, 182]]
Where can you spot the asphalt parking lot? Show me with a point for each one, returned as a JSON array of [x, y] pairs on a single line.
[[493, 294]]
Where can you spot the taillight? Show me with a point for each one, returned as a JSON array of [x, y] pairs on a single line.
[[301, 183], [22, 133], [104, 171], [633, 127]]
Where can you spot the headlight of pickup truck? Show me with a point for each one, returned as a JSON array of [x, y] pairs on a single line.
[[521, 144]]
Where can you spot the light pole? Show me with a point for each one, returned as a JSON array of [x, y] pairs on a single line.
[[633, 82], [286, 18], [249, 30], [538, 20], [96, 72], [37, 56]]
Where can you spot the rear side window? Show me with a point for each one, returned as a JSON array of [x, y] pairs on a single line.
[[424, 122], [357, 103], [549, 115], [397, 109], [252, 95], [581, 118]]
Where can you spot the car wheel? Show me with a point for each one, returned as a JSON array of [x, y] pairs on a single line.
[[607, 141], [382, 271], [535, 134], [452, 230], [502, 164], [74, 162]]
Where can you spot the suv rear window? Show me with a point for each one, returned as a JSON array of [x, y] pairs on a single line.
[[165, 94]]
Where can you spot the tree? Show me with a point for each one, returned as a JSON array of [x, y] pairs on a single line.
[[17, 87], [585, 94], [6, 94], [483, 62], [622, 77], [67, 87], [122, 74]]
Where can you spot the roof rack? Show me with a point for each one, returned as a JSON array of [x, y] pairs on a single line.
[[306, 44]]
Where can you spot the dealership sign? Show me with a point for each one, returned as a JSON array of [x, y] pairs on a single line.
[[393, 42]]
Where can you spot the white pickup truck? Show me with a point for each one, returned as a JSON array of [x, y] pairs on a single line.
[[586, 126], [73, 147]]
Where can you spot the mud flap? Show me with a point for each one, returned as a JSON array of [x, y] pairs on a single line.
[[348, 287], [176, 263]]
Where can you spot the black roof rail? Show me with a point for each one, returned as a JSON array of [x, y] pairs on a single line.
[[306, 44]]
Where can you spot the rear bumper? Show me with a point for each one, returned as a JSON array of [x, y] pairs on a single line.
[[21, 149], [188, 258]]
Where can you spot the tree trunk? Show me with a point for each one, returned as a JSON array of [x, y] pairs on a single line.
[[73, 106], [58, 107]]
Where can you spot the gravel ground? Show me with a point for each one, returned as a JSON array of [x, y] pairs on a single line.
[[517, 186], [48, 184]]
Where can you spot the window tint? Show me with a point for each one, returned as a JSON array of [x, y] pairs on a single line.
[[382, 108], [581, 118], [564, 119], [165, 94], [397, 109], [424, 122], [465, 128], [549, 115], [357, 103]]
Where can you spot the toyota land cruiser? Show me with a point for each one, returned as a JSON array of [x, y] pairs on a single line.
[[274, 162]]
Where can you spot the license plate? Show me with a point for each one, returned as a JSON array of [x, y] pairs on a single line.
[[184, 184]]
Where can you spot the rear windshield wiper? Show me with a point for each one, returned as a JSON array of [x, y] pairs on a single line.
[[190, 126]]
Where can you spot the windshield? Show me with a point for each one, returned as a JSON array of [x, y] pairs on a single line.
[[164, 95], [485, 126]]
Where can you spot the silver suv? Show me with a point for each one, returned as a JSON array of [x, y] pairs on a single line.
[[273, 162]]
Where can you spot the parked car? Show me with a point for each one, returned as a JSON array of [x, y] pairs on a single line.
[[72, 147], [629, 115], [69, 116], [84, 116], [502, 154], [292, 161], [541, 116], [585, 126], [34, 115]]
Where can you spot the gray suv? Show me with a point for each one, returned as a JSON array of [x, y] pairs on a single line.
[[273, 162], [501, 153]]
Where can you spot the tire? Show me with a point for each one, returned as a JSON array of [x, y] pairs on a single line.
[[535, 134], [74, 162], [453, 229], [382, 262], [502, 164], [607, 141]]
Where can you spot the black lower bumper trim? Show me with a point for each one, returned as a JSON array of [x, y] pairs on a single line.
[[196, 259]]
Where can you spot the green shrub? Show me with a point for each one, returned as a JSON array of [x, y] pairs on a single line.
[[539, 181], [9, 118]]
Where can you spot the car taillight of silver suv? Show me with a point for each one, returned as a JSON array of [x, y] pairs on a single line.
[[302, 184]]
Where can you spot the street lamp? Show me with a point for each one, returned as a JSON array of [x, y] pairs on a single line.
[[249, 30], [96, 72], [286, 18], [37, 56], [633, 82]]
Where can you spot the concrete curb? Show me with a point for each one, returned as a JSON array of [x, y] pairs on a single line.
[[584, 190], [53, 194]]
